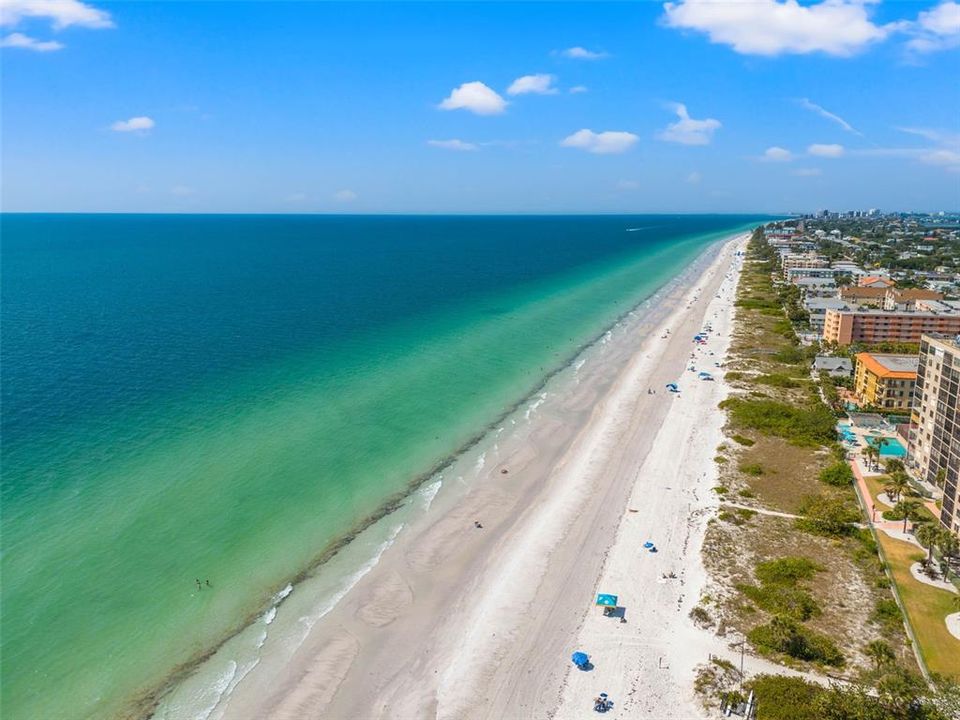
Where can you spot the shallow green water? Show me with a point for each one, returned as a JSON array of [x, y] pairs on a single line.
[[220, 398]]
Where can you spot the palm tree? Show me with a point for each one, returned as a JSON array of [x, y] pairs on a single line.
[[898, 484], [870, 453], [928, 536], [949, 543], [893, 465], [941, 478], [908, 508], [949, 546], [880, 652]]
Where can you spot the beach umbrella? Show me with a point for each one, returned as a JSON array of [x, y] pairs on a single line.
[[671, 386], [605, 600], [580, 659]]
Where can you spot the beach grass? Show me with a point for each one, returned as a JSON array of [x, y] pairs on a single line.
[[790, 434]]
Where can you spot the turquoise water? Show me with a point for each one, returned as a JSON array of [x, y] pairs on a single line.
[[222, 397], [892, 448]]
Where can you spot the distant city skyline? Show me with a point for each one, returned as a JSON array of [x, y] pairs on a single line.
[[689, 106]]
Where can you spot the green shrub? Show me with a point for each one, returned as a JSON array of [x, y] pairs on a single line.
[[785, 635], [838, 475], [745, 441], [886, 613], [701, 617], [777, 599], [747, 494], [756, 303], [791, 356], [812, 425], [780, 697], [778, 380], [755, 469], [787, 570], [827, 516]]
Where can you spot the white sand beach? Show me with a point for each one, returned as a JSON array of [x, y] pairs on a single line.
[[457, 621]]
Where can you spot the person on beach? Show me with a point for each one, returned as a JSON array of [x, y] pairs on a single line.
[[476, 524], [208, 584], [199, 586]]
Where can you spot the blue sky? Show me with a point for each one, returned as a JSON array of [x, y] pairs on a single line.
[[688, 106]]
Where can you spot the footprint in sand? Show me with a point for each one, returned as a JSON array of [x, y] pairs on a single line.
[[385, 601]]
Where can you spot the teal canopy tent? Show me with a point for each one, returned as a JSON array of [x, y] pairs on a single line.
[[605, 600]]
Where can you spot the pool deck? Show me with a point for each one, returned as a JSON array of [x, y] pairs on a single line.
[[869, 436]]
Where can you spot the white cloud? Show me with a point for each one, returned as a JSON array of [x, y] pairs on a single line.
[[813, 107], [135, 124], [694, 178], [935, 29], [945, 153], [772, 27], [580, 53], [688, 131], [827, 151], [453, 144], [579, 89], [944, 150], [181, 190], [936, 136], [61, 13], [345, 196], [539, 84], [806, 172], [475, 97], [944, 157], [628, 185], [777, 154], [610, 142], [19, 40]]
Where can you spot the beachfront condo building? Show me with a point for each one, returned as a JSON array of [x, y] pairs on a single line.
[[871, 325], [885, 381], [865, 296], [803, 260], [909, 298], [934, 447]]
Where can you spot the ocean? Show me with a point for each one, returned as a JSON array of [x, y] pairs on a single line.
[[198, 412]]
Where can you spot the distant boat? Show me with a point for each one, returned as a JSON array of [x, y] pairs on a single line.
[[634, 229]]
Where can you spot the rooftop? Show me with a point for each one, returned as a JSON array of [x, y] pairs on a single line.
[[827, 303], [825, 362], [946, 311], [951, 341], [892, 366], [863, 292]]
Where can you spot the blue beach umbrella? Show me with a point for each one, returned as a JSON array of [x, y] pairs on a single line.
[[605, 600], [648, 544], [580, 659]]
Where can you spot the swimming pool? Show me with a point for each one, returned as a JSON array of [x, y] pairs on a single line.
[[892, 448]]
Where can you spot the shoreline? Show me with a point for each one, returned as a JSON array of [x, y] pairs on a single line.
[[424, 558], [152, 703]]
